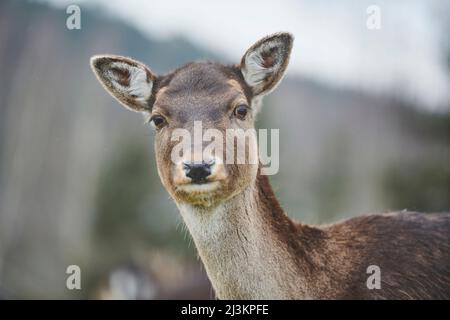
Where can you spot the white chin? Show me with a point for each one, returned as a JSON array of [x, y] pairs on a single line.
[[200, 188]]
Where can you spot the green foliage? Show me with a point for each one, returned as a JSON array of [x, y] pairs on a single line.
[[421, 187], [123, 188]]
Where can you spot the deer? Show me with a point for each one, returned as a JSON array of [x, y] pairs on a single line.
[[249, 246]]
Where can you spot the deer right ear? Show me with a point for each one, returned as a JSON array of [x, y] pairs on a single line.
[[264, 64], [127, 80]]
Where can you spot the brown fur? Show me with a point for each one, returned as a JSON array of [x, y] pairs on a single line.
[[250, 248], [411, 249]]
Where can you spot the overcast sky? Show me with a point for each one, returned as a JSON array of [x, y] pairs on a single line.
[[333, 44]]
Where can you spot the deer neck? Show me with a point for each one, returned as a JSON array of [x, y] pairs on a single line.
[[249, 247]]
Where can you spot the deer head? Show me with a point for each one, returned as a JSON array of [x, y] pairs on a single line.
[[219, 97]]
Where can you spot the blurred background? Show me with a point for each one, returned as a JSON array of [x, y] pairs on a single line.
[[364, 119]]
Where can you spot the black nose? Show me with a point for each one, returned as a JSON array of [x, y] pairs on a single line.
[[198, 172]]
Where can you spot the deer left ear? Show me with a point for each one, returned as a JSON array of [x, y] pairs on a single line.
[[264, 64], [127, 80]]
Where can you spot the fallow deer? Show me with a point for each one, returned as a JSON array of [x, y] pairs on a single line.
[[250, 248]]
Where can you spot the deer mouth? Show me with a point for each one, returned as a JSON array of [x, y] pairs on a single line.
[[204, 187], [203, 195], [199, 180]]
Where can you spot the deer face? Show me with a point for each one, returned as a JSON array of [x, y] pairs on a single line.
[[200, 112]]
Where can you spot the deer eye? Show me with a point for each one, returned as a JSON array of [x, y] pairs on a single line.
[[157, 121], [241, 111]]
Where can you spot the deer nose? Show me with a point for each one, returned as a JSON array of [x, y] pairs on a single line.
[[198, 172]]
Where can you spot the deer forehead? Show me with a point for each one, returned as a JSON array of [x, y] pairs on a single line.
[[199, 89]]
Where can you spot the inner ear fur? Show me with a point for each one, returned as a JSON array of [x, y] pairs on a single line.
[[129, 81], [264, 63]]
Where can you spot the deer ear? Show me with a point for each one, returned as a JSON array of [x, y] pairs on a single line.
[[127, 80], [264, 64]]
